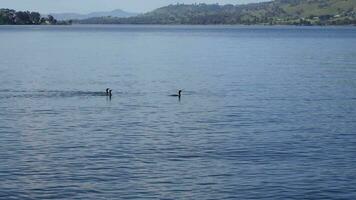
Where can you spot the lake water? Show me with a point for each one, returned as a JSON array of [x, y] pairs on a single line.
[[265, 113]]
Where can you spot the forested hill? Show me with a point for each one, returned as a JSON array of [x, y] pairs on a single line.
[[288, 12], [12, 17]]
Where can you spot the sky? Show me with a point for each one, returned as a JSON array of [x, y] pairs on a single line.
[[86, 6]]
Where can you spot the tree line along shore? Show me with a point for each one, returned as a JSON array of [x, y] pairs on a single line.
[[12, 17]]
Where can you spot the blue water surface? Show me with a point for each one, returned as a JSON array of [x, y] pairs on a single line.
[[266, 112]]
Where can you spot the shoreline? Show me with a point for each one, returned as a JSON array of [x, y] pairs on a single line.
[[191, 25]]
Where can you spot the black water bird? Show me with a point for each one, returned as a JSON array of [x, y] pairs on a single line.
[[177, 95], [107, 91]]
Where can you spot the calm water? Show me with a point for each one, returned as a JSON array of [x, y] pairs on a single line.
[[266, 112]]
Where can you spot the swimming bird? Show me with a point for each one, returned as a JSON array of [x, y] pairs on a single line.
[[107, 91], [177, 95]]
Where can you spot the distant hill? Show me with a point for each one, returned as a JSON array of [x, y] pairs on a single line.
[[114, 13], [283, 12]]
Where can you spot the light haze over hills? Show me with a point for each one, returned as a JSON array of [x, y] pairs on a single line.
[[88, 6], [114, 13]]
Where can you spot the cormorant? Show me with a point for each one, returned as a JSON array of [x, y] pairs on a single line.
[[177, 95]]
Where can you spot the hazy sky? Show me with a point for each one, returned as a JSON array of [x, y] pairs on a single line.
[[84, 6]]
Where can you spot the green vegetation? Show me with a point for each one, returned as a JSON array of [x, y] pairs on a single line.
[[12, 17], [278, 12]]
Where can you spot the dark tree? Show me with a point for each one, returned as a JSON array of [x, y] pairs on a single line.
[[35, 17]]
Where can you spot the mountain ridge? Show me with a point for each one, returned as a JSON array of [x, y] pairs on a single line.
[[277, 12], [76, 16]]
